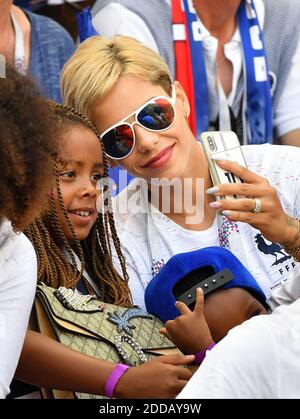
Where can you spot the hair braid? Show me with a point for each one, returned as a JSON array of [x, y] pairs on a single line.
[[111, 220], [94, 253], [78, 246]]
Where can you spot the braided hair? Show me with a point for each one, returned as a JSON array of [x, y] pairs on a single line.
[[58, 268]]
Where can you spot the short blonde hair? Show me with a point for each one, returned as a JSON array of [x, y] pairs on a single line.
[[99, 63]]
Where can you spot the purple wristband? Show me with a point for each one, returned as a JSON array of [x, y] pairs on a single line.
[[113, 379], [199, 356]]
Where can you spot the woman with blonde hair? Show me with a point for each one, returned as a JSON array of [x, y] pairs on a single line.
[[117, 83]]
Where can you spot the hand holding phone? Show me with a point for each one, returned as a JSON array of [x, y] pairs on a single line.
[[224, 145]]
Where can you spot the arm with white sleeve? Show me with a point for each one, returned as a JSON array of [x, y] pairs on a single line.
[[18, 278], [287, 115]]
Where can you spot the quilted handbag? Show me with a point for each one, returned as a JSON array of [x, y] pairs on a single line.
[[83, 323]]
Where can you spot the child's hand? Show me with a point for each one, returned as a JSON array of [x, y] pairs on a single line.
[[161, 378], [189, 331]]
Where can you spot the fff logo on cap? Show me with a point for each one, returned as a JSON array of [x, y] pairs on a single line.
[[2, 66]]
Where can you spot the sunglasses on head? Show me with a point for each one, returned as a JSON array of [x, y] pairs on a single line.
[[158, 114]]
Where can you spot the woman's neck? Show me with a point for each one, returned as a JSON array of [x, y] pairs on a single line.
[[184, 200], [7, 39], [5, 8], [218, 16], [7, 31]]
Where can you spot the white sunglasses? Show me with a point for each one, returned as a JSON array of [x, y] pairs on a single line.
[[158, 114]]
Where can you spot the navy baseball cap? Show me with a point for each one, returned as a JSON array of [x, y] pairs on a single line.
[[210, 268]]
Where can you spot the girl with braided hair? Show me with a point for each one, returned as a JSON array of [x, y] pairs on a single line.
[[69, 230], [73, 250]]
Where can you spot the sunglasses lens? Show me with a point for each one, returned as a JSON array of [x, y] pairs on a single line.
[[118, 142], [157, 115]]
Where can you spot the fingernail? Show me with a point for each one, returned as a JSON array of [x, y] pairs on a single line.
[[226, 213], [218, 158], [215, 204], [212, 190]]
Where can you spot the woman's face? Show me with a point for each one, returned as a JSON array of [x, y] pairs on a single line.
[[80, 168], [165, 154]]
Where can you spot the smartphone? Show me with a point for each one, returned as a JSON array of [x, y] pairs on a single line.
[[223, 144]]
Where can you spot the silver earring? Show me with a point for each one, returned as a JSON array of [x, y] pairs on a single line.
[[114, 186]]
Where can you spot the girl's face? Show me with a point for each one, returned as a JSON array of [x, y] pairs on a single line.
[[170, 153], [80, 168]]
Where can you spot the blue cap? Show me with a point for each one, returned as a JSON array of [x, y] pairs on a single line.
[[159, 294]]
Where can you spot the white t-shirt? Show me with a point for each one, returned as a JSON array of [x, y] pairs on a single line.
[[256, 360], [267, 262], [288, 293], [115, 19], [18, 279]]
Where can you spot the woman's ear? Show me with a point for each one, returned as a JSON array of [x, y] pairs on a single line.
[[182, 100]]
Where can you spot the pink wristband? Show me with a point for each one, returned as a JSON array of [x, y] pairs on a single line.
[[199, 356], [113, 379]]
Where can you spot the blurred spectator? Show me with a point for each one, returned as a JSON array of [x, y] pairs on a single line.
[[223, 35], [63, 12], [31, 5], [27, 148], [34, 44]]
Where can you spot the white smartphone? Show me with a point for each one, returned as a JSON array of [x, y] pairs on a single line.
[[223, 144]]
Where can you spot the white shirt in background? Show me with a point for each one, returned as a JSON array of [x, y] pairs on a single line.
[[259, 359], [18, 279], [115, 19]]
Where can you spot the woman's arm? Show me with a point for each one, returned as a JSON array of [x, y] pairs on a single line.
[[292, 246]]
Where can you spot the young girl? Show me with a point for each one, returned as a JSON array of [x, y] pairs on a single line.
[[72, 248]]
